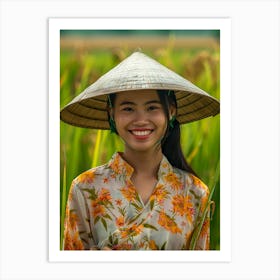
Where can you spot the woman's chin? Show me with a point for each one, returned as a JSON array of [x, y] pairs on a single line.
[[143, 147]]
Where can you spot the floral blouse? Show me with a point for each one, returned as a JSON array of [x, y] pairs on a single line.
[[105, 210]]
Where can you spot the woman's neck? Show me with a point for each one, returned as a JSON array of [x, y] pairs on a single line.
[[144, 163]]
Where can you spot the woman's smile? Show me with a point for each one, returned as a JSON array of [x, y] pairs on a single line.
[[141, 133]]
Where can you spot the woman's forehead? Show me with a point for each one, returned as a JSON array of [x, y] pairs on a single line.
[[137, 96]]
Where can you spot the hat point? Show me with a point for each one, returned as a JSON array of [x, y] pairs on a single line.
[[138, 49]]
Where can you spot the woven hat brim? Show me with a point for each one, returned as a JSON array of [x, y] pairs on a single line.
[[137, 72], [92, 112]]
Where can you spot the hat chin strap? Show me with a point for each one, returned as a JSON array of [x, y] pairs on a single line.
[[112, 124]]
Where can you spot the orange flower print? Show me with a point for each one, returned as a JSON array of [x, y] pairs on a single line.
[[97, 209], [178, 202], [73, 242], [204, 201], [197, 182], [183, 206], [129, 192], [77, 243], [168, 223], [73, 218], [189, 208], [132, 231], [174, 181], [104, 195], [127, 169], [120, 166], [105, 180], [120, 221], [118, 202], [188, 236], [115, 165], [137, 229], [68, 241], [122, 246], [205, 227], [70, 195], [203, 242], [159, 194], [124, 233], [142, 245], [153, 245], [86, 177]]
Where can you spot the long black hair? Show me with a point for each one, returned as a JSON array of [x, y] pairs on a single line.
[[171, 143]]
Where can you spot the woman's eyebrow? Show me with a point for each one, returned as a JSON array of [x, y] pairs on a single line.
[[127, 103], [152, 101]]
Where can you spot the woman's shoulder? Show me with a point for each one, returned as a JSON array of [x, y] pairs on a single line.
[[92, 175], [193, 183]]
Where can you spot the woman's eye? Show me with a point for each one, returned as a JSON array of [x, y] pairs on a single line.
[[152, 108], [127, 109]]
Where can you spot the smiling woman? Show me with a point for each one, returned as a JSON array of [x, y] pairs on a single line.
[[140, 120], [147, 197]]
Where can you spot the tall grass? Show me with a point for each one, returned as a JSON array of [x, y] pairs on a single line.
[[82, 148]]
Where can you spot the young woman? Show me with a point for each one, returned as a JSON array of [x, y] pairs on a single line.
[[146, 197]]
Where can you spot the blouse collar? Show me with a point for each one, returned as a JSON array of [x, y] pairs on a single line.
[[120, 166]]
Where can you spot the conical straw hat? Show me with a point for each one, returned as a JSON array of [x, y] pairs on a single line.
[[138, 71]]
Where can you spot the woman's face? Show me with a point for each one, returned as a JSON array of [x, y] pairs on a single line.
[[140, 119]]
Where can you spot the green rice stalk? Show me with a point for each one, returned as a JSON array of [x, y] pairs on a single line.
[[63, 203], [97, 148], [200, 223]]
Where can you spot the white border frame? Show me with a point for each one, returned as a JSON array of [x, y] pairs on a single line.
[[222, 24]]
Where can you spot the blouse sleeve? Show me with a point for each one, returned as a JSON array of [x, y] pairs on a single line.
[[77, 233], [203, 241]]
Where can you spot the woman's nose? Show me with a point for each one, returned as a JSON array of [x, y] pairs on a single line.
[[140, 117]]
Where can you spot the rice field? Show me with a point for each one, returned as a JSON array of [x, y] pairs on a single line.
[[82, 149]]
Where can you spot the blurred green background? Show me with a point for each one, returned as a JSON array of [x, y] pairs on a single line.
[[85, 55]]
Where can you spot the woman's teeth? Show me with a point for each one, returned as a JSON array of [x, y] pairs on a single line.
[[141, 133]]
